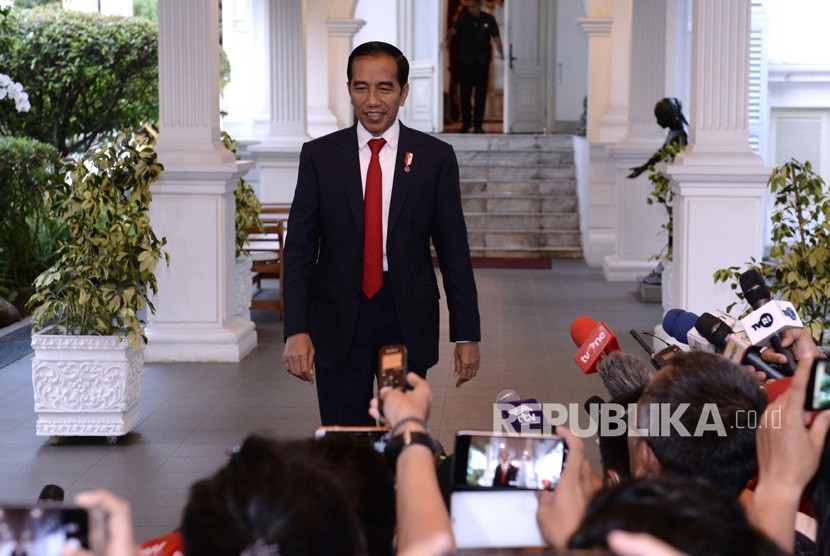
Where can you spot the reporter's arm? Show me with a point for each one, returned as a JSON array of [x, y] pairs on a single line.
[[799, 340], [421, 512], [788, 457], [119, 523]]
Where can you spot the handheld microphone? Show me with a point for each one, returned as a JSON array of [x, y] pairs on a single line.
[[594, 340], [522, 415], [769, 316], [661, 358], [680, 325], [735, 347]]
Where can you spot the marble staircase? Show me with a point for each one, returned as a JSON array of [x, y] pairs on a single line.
[[519, 194]]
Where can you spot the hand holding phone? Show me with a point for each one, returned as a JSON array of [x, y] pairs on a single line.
[[817, 397]]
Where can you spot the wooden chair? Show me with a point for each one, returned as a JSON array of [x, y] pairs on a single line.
[[266, 252]]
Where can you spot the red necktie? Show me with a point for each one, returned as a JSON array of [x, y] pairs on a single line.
[[373, 223]]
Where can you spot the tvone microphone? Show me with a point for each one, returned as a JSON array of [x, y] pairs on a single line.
[[594, 340], [770, 319], [735, 347]]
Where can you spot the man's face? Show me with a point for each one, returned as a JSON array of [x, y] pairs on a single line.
[[375, 92], [474, 7]]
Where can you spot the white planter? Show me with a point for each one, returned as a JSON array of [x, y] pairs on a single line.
[[244, 289], [85, 385]]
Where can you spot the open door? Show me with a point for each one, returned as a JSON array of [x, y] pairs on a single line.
[[524, 70]]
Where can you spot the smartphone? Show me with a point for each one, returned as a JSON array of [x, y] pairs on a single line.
[[486, 461], [818, 389], [376, 436], [45, 529], [392, 366]]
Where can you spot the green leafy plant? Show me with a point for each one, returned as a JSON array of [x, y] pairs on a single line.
[[248, 206], [798, 268], [661, 194], [104, 270], [28, 237], [85, 74]]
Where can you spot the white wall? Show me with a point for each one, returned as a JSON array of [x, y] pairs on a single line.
[[571, 68], [381, 18]]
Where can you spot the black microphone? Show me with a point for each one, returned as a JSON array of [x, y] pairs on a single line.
[[661, 358], [757, 294], [734, 347]]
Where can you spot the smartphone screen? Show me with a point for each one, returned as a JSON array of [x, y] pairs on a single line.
[[818, 389], [376, 436], [45, 530], [483, 460]]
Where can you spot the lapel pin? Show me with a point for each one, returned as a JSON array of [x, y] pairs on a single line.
[[407, 160]]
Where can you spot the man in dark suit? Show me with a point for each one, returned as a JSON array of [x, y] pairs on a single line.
[[355, 282], [506, 472]]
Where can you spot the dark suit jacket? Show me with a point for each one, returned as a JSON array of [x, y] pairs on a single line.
[[512, 473], [323, 266]]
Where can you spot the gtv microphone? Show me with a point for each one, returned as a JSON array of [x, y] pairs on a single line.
[[769, 318], [594, 340], [735, 347], [521, 415]]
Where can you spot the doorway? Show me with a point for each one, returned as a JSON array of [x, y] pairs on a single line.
[[518, 96]]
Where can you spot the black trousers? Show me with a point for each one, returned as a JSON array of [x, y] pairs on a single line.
[[343, 394], [473, 77]]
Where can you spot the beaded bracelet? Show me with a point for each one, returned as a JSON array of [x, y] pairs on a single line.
[[397, 426]]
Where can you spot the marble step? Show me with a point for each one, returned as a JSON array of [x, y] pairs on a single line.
[[521, 221], [514, 158], [508, 238], [517, 173], [527, 252], [517, 203], [562, 186], [512, 142]]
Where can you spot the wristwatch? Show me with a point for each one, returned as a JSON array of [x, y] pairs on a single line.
[[407, 438]]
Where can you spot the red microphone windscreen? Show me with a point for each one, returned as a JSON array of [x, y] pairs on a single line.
[[581, 328]]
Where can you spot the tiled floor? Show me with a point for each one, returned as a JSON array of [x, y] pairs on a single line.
[[192, 413]]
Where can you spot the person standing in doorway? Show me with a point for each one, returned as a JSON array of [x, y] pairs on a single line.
[[357, 262], [476, 29]]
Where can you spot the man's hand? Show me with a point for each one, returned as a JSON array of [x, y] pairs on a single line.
[[298, 357], [399, 405], [119, 523], [802, 345], [560, 512], [467, 361]]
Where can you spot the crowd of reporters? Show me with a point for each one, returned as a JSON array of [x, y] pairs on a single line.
[[761, 489]]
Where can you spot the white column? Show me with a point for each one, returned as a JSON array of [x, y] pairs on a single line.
[[340, 34], [193, 204], [639, 235], [277, 156], [719, 182], [597, 213], [321, 120]]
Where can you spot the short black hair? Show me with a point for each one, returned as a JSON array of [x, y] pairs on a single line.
[[378, 48], [698, 378], [685, 512]]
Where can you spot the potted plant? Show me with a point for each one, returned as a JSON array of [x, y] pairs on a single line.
[[88, 338], [798, 267], [247, 218]]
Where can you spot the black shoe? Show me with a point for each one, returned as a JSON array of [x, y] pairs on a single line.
[[464, 129], [479, 130]]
